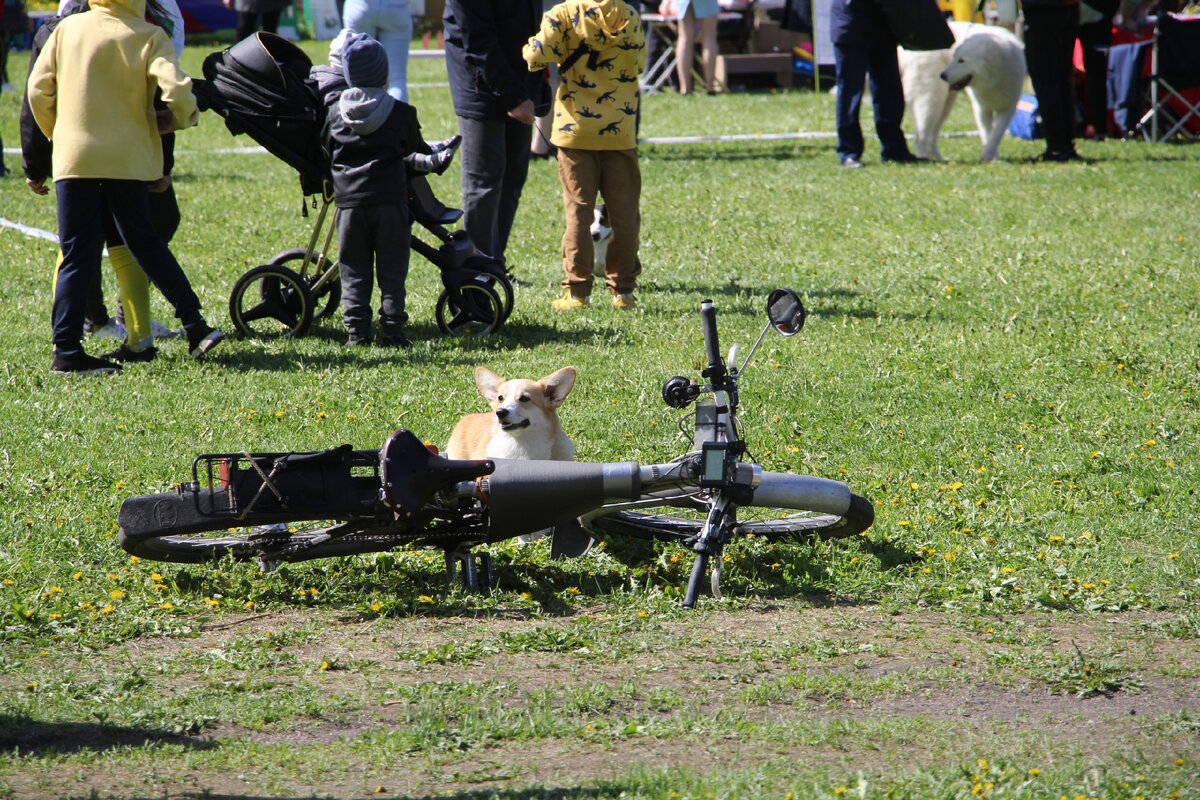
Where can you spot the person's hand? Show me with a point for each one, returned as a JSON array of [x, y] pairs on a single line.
[[37, 187], [165, 119], [227, 3], [523, 112]]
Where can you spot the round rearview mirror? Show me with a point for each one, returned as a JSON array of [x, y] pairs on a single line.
[[786, 312]]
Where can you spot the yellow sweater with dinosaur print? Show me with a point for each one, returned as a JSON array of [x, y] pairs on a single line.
[[597, 101]]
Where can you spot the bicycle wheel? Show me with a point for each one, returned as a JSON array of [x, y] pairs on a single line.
[[271, 302], [794, 507], [268, 544], [328, 297], [480, 312]]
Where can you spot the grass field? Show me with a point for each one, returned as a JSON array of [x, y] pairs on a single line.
[[1002, 357]]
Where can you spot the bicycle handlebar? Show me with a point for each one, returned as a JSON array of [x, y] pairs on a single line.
[[712, 346]]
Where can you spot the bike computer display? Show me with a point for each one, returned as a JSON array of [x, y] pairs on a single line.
[[717, 465]]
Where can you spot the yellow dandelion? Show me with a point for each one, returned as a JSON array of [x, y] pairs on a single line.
[[167, 606], [108, 609], [1179, 762], [641, 613], [1035, 772], [56, 615], [325, 665], [426, 598], [376, 606], [31, 686], [526, 596], [116, 594], [1173, 555]]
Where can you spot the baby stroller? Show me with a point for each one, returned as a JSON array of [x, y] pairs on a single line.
[[260, 86]]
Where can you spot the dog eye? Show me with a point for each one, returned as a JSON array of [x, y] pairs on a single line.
[[500, 398], [524, 398]]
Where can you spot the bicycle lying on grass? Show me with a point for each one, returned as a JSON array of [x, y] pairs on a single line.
[[277, 507]]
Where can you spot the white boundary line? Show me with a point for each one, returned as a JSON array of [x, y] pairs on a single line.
[[34, 233]]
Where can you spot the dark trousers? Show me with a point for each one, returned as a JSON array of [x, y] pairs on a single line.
[[1050, 33], [81, 204], [247, 23], [164, 216], [1095, 39], [494, 158], [373, 244], [854, 64]]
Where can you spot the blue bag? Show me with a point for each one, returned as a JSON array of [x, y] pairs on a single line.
[[1026, 124]]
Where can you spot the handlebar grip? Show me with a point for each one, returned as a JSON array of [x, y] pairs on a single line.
[[708, 323], [699, 567]]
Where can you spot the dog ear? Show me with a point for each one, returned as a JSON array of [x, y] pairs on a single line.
[[556, 386], [488, 383]]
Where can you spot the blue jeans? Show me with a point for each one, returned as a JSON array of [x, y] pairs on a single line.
[[390, 23], [82, 205]]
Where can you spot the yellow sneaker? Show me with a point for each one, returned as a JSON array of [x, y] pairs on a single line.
[[624, 301], [570, 302]]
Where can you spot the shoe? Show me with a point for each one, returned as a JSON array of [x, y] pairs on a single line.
[[515, 281], [202, 337], [395, 340], [109, 330], [907, 158], [355, 340], [570, 302], [160, 331], [1060, 155], [81, 364], [126, 354], [851, 162], [624, 301], [446, 144], [7, 87]]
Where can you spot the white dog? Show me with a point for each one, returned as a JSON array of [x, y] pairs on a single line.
[[986, 61], [523, 422], [602, 234]]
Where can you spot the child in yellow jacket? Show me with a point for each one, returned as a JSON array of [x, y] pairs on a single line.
[[599, 48], [91, 92]]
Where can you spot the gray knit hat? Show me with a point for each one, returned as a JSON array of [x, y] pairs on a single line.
[[364, 62]]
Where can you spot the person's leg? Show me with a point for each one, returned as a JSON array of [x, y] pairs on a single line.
[[708, 51], [1050, 33], [516, 170], [1095, 40], [81, 240], [130, 206], [395, 34], [135, 296], [481, 160], [621, 187], [887, 100], [579, 172], [391, 267], [685, 50], [851, 66], [247, 24], [356, 255], [270, 21]]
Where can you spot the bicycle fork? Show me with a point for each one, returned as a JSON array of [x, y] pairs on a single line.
[[709, 547]]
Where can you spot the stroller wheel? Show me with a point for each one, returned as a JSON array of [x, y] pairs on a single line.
[[271, 302], [323, 280], [477, 310]]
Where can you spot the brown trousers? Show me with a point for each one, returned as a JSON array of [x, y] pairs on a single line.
[[615, 175]]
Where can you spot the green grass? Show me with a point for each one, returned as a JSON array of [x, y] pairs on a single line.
[[1002, 357]]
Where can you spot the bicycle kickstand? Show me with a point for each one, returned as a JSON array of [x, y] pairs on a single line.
[[476, 569]]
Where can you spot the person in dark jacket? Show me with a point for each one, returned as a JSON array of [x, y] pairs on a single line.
[[865, 47], [494, 96], [1051, 27], [369, 140]]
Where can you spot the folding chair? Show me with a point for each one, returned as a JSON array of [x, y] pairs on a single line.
[[1174, 80]]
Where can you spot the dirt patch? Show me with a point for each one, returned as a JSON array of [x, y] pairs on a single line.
[[793, 684]]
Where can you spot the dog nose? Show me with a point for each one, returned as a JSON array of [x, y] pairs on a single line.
[[595, 236], [501, 412]]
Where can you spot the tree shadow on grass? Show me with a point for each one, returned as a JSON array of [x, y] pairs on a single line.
[[36, 738], [610, 789]]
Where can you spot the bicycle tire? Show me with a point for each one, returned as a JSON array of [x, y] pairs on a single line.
[[281, 305], [328, 297], [785, 507], [486, 316]]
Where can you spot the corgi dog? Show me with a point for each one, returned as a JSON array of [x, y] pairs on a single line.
[[602, 234], [523, 422]]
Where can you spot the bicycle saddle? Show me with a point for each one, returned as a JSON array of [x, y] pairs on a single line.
[[411, 473]]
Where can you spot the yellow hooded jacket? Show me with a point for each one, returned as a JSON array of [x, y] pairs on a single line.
[[597, 101], [91, 92]]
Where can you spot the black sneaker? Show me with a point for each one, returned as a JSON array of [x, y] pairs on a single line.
[[81, 364], [126, 354], [357, 341], [202, 337]]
